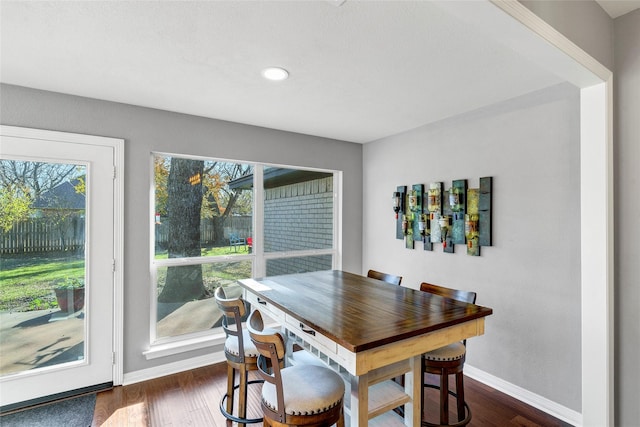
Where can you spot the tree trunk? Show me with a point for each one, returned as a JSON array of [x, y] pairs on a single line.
[[184, 283], [218, 231], [218, 221]]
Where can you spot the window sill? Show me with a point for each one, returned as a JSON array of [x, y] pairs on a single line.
[[176, 347]]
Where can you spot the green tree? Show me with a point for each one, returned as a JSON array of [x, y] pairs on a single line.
[[161, 166], [15, 205], [81, 186], [220, 200], [25, 180]]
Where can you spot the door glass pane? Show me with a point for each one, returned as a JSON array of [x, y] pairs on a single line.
[[298, 210], [202, 207], [42, 264], [304, 264], [185, 295]]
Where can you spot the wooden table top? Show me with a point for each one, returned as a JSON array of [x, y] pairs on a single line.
[[360, 313]]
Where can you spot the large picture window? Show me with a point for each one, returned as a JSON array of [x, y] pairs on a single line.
[[208, 231]]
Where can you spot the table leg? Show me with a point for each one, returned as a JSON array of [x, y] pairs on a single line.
[[413, 387], [359, 400]]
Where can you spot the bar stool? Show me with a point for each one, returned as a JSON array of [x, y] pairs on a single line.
[[448, 360], [242, 356], [299, 395], [389, 278]]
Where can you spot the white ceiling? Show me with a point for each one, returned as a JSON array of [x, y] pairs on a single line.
[[617, 8], [358, 72]]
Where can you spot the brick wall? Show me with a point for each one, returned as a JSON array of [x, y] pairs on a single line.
[[299, 216]]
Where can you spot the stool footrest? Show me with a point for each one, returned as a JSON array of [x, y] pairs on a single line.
[[464, 422], [232, 417]]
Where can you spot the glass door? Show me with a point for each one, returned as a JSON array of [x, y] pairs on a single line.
[[56, 268]]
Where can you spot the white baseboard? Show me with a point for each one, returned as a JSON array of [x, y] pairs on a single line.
[[173, 368], [552, 408]]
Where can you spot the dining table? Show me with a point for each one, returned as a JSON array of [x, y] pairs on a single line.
[[368, 331]]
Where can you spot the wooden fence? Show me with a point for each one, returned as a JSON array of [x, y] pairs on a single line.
[[43, 235], [238, 225]]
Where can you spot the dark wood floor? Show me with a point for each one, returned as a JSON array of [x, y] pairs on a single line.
[[192, 399]]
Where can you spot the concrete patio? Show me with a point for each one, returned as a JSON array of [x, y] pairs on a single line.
[[35, 339]]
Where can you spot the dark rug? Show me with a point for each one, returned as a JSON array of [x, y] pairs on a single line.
[[76, 412]]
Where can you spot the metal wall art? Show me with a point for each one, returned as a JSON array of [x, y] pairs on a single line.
[[458, 215]]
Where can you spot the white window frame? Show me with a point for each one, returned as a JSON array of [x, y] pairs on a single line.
[[166, 346]]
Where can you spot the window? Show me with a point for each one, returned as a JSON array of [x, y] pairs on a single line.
[[208, 231]]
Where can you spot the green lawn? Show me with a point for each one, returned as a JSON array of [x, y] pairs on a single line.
[[26, 281], [214, 251]]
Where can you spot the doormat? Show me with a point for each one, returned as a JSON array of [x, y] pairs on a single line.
[[76, 412]]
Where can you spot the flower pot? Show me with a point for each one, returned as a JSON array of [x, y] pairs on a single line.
[[70, 298]]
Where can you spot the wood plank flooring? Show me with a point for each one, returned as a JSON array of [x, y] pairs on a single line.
[[192, 398]]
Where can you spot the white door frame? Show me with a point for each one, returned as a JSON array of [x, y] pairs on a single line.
[[596, 213], [118, 226], [514, 25]]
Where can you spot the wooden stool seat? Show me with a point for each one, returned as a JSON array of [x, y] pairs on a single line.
[[299, 395], [310, 390], [242, 357], [232, 346], [454, 351]]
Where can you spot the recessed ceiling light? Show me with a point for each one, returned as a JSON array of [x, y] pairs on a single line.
[[275, 73]]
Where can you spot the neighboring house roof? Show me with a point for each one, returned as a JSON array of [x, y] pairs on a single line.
[[64, 196], [278, 177]]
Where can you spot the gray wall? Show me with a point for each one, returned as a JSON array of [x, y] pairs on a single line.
[[145, 130], [531, 275], [627, 217]]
